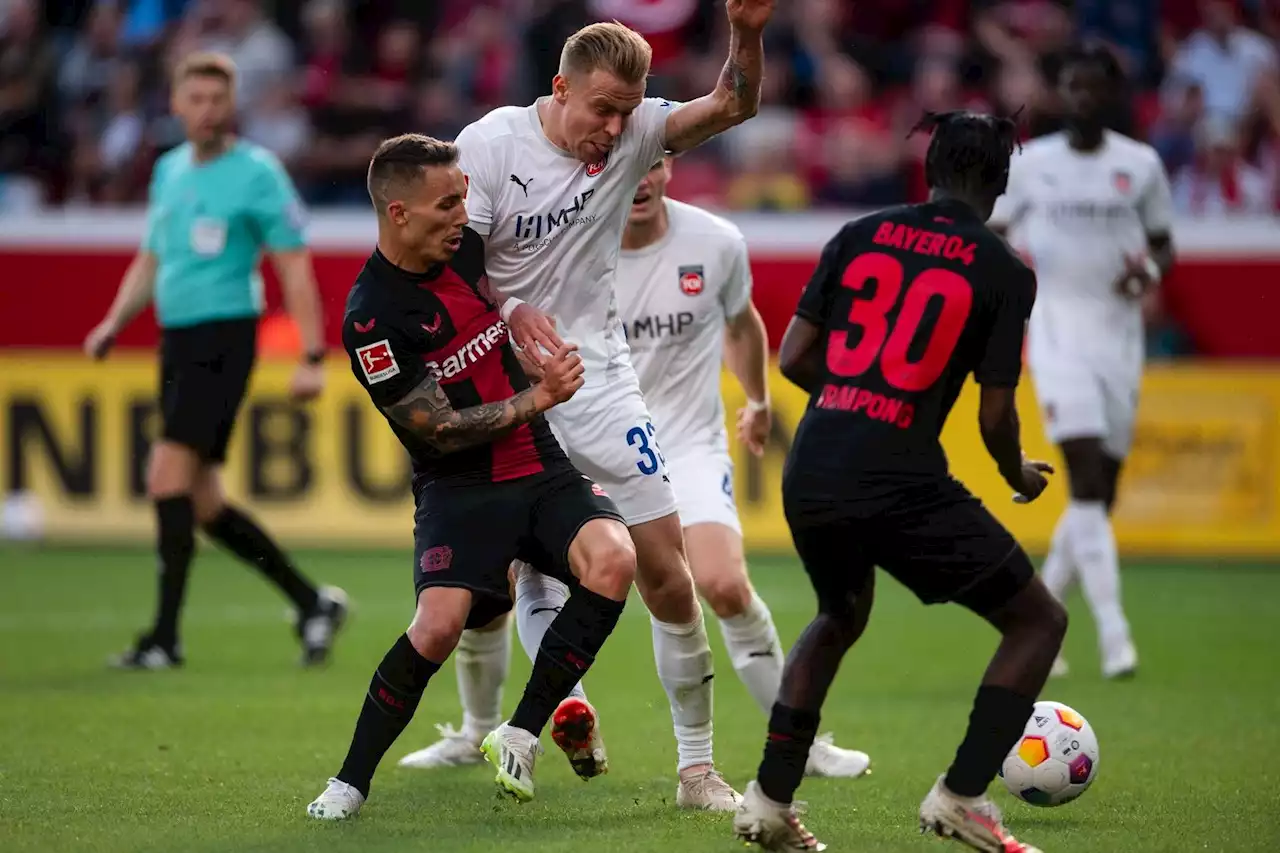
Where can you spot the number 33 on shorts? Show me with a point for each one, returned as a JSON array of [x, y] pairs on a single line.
[[642, 439]]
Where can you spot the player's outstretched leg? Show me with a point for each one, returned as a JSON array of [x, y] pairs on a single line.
[[575, 726], [393, 696], [768, 815], [171, 475], [1093, 476], [720, 574], [320, 612], [1032, 624], [683, 656], [602, 558], [481, 662]]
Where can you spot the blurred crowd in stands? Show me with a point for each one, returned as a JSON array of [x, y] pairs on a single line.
[[83, 100]]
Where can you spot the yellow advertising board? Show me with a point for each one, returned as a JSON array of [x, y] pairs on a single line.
[[1201, 481]]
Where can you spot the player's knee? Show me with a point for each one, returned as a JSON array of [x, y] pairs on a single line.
[[1053, 623], [610, 568], [171, 471], [727, 592], [436, 634]]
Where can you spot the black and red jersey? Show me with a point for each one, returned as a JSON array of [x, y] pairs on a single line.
[[910, 301], [401, 328]]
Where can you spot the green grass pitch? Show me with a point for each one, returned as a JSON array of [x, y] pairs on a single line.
[[225, 755]]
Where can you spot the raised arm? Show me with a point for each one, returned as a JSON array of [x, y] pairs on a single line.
[[736, 97]]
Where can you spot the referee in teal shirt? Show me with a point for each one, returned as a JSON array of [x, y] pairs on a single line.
[[216, 203]]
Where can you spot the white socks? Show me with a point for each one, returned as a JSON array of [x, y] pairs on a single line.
[[683, 657], [1059, 568], [1093, 545], [752, 641], [538, 602], [481, 661]]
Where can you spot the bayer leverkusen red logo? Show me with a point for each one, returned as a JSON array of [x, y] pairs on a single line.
[[1122, 180], [594, 169], [691, 280]]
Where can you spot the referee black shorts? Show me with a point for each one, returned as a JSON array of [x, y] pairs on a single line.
[[204, 372], [936, 538]]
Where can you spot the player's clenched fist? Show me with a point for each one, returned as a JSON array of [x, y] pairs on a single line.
[[749, 15], [561, 377]]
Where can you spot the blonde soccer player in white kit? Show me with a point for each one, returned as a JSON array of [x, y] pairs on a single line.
[[1092, 211], [550, 186]]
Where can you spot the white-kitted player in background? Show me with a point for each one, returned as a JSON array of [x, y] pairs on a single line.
[[550, 188], [1091, 211]]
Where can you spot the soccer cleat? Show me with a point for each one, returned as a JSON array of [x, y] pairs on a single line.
[[1121, 662], [318, 628], [1060, 668], [973, 821], [833, 762], [454, 749], [148, 654], [706, 790], [774, 827], [575, 728], [339, 801], [513, 753]]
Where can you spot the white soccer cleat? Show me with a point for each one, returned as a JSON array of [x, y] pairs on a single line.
[[974, 821], [513, 752], [1059, 668], [1120, 662], [575, 728], [318, 629], [454, 749], [832, 762], [774, 827], [706, 790], [338, 802]]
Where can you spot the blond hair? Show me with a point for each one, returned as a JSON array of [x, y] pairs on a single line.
[[611, 47], [206, 64]]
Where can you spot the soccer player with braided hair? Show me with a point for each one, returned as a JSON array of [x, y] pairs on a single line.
[[904, 305]]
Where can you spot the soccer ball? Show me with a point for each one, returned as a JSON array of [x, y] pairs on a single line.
[[1055, 760]]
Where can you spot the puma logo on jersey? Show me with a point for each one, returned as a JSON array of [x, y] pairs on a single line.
[[470, 353], [524, 185]]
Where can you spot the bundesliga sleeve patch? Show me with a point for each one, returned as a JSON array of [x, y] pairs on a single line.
[[378, 362]]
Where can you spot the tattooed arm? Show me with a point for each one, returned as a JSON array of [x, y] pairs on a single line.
[[425, 411], [737, 95]]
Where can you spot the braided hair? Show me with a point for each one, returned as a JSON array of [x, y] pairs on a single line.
[[969, 152]]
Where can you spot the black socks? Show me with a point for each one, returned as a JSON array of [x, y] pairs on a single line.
[[250, 543], [568, 649], [175, 544], [393, 696], [998, 718], [786, 752]]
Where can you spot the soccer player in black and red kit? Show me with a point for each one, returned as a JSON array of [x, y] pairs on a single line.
[[903, 306], [491, 483]]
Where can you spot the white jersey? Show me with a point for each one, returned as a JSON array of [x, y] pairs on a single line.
[[553, 224], [1077, 215], [675, 296]]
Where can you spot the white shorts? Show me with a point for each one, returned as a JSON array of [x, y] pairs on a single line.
[[1082, 400], [608, 435], [703, 480]]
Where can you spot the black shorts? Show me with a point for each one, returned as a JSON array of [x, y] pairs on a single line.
[[467, 535], [204, 372], [936, 538]]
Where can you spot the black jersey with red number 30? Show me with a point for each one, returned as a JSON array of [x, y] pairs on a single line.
[[911, 301], [401, 327]]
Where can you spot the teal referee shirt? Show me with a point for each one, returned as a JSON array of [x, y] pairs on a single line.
[[208, 224]]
